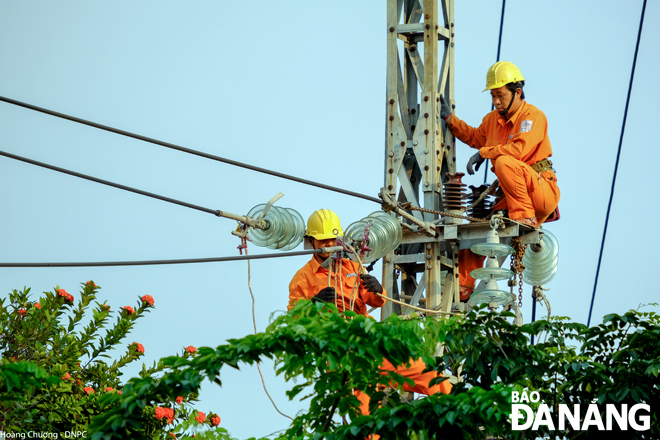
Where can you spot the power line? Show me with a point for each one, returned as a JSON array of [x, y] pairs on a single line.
[[616, 163], [181, 261], [189, 150], [499, 46], [115, 185]]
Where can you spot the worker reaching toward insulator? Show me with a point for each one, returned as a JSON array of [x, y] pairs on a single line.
[[514, 137], [312, 282], [345, 284]]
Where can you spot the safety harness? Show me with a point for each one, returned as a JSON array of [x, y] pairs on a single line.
[[542, 165]]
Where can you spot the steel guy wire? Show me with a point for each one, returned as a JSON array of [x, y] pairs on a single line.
[[616, 163], [189, 150]]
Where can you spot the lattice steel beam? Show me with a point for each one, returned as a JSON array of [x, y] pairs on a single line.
[[420, 67]]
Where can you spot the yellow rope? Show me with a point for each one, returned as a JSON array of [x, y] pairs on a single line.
[[435, 312], [363, 270]]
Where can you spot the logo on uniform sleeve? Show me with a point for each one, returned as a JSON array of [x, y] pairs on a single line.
[[526, 126]]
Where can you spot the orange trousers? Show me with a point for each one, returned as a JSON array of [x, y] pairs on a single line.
[[467, 262], [413, 372], [527, 193]]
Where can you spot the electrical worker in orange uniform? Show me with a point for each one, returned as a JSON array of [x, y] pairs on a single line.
[[514, 137], [311, 282]]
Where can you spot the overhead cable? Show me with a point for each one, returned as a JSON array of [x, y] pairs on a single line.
[[616, 163], [181, 261], [499, 46], [189, 150], [108, 183]]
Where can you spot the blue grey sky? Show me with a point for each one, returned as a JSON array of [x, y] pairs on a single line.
[[298, 87]]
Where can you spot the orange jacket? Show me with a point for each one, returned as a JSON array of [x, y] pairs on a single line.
[[524, 136], [312, 278]]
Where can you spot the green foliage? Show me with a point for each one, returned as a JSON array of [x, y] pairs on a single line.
[[55, 371], [51, 363], [16, 375], [332, 354]]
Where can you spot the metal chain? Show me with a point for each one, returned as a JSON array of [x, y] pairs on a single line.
[[446, 214], [517, 267]]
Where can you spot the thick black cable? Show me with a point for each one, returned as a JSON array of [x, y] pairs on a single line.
[[161, 262], [108, 183], [616, 163], [189, 150], [499, 46]]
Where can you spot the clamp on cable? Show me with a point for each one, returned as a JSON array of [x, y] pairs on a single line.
[[364, 248], [246, 222], [390, 204], [538, 295]]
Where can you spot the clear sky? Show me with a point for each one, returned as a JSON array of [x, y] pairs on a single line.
[[298, 87]]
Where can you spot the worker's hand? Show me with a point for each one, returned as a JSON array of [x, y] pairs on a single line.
[[325, 295], [445, 109], [475, 159], [371, 283]]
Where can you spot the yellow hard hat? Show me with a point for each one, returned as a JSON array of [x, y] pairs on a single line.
[[501, 74], [322, 223]]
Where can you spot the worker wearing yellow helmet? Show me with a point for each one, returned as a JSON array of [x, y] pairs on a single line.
[[311, 282], [514, 137]]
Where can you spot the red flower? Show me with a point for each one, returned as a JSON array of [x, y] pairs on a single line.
[[88, 390], [129, 309], [215, 421], [190, 349], [148, 299], [106, 307], [168, 413], [66, 376], [179, 400], [37, 305], [22, 312], [67, 296], [93, 284], [118, 392], [138, 347], [201, 417], [109, 389]]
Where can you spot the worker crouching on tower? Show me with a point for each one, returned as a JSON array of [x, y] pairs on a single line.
[[311, 282], [514, 137]]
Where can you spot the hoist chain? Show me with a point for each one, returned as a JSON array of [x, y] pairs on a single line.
[[517, 267], [446, 214]]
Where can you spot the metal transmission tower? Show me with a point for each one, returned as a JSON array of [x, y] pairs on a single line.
[[418, 155]]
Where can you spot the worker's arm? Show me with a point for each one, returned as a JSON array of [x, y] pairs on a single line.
[[474, 137], [369, 286], [522, 144], [298, 289]]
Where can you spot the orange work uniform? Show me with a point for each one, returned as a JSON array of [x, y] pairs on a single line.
[[467, 262], [312, 278], [513, 146]]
